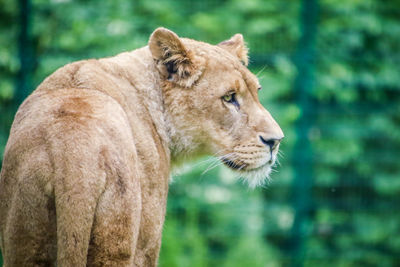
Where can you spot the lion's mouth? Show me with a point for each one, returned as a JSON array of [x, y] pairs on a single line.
[[233, 165], [240, 166]]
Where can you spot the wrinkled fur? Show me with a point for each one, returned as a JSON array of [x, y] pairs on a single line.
[[85, 174]]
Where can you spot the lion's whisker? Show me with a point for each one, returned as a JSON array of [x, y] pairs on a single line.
[[210, 159], [263, 68], [212, 167], [220, 161]]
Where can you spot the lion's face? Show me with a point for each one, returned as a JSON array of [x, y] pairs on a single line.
[[213, 107]]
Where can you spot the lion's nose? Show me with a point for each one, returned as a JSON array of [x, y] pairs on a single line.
[[272, 142]]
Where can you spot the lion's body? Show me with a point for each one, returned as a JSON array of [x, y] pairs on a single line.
[[85, 174], [72, 150]]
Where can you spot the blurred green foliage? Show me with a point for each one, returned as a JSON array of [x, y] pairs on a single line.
[[212, 219]]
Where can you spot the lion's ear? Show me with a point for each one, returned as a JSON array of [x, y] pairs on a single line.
[[237, 47], [175, 62]]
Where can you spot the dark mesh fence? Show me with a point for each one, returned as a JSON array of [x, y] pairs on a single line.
[[330, 76]]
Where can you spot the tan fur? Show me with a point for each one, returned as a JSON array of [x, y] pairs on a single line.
[[85, 174]]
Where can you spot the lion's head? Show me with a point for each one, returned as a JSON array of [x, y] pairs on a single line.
[[212, 105]]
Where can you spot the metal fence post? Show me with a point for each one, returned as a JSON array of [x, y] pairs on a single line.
[[302, 201], [25, 50], [26, 56]]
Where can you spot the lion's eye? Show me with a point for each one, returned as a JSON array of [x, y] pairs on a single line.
[[228, 98], [231, 98]]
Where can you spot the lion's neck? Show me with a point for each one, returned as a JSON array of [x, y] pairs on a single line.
[[145, 93], [148, 97], [177, 142]]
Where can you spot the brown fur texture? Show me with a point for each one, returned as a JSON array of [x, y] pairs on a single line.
[[84, 180]]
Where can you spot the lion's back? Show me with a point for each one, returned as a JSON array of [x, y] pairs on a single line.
[[57, 135]]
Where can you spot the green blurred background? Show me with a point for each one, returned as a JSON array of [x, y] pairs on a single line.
[[331, 77]]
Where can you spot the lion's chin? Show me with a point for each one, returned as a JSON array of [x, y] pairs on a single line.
[[253, 177], [257, 177]]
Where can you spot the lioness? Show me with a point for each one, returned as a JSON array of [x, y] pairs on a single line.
[[86, 168]]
